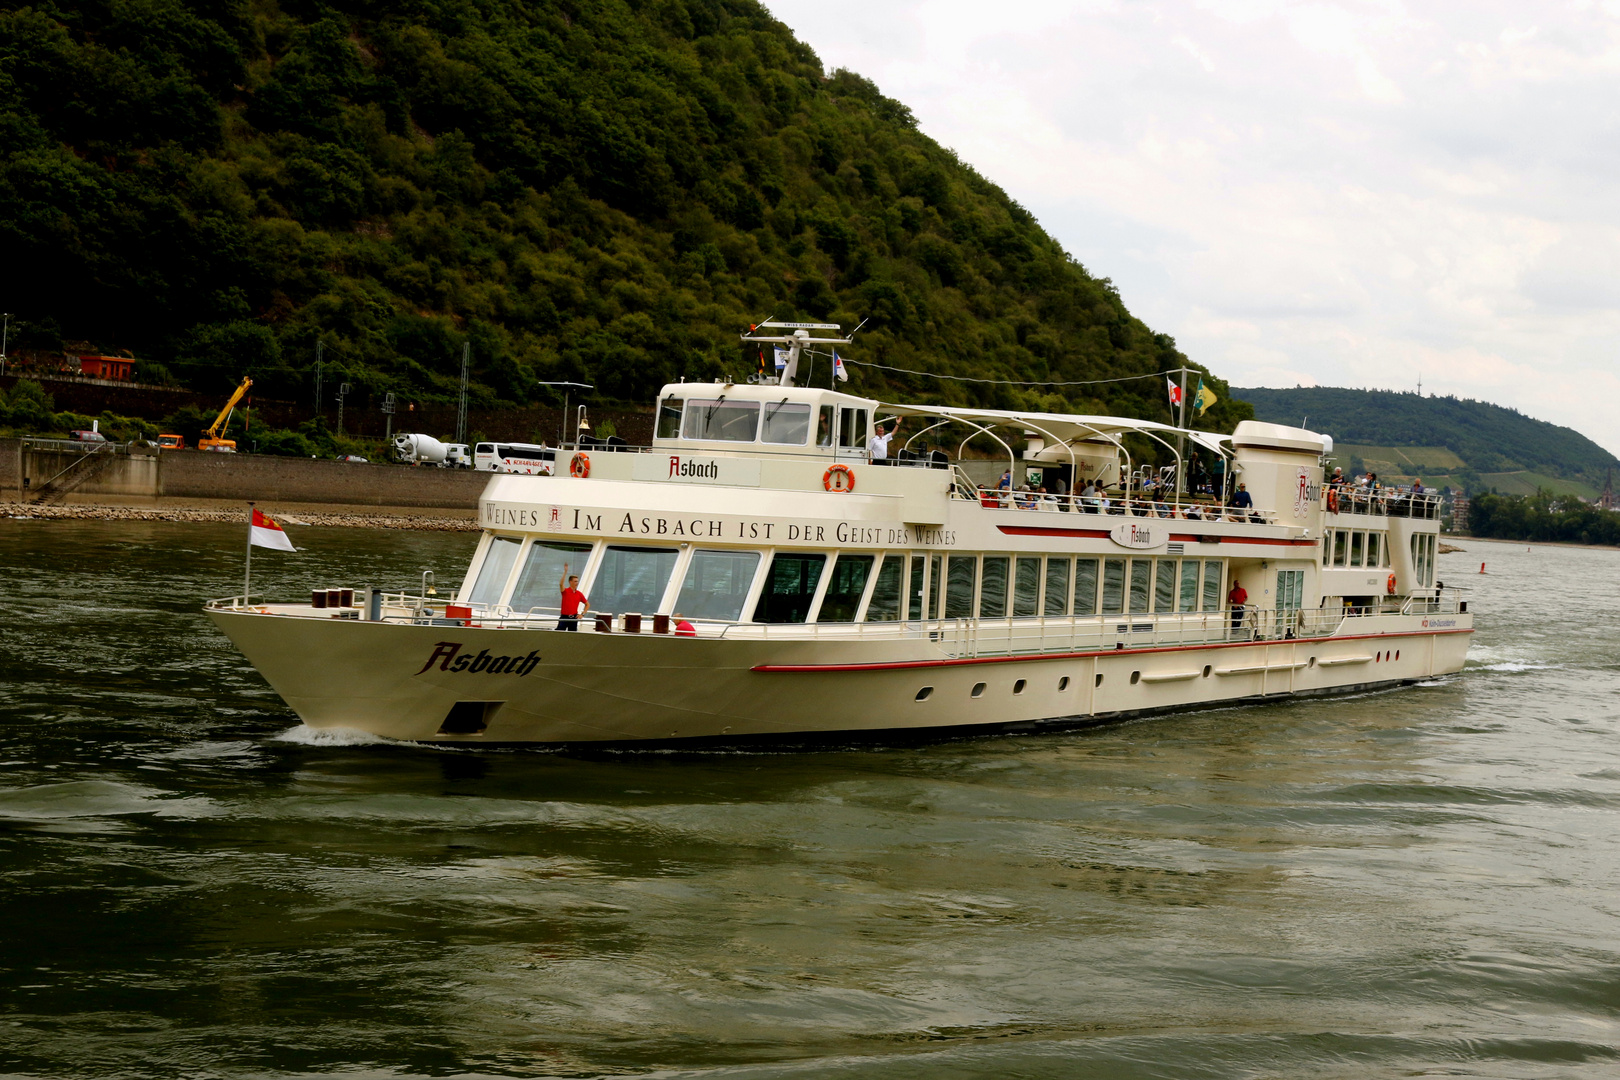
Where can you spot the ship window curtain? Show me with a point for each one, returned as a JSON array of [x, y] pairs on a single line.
[[1141, 584], [789, 588], [542, 568], [1085, 586], [1212, 585], [499, 559], [885, 603], [960, 575], [1189, 585], [1057, 587], [1027, 587], [993, 588], [632, 579], [716, 585], [1164, 586], [1113, 586]]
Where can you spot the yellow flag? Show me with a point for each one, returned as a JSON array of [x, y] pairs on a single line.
[[1206, 397]]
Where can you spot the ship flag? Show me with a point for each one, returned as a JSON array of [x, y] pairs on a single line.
[[1204, 398], [838, 367], [264, 532], [1175, 391], [781, 358]]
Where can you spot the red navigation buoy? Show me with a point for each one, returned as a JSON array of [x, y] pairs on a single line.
[[1482, 568]]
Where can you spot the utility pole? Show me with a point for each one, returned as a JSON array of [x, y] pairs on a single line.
[[5, 334], [388, 411], [343, 392], [461, 405], [320, 354], [562, 426]]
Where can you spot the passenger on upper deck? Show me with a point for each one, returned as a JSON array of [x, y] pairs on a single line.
[[1244, 502], [877, 447]]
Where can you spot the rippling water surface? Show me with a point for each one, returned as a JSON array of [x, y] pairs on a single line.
[[1418, 882]]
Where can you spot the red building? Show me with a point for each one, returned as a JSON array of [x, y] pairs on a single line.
[[106, 367]]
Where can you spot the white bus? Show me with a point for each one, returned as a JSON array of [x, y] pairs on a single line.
[[525, 458]]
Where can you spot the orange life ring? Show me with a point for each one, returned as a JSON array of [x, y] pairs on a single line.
[[1389, 586], [1333, 500], [838, 478], [580, 466]]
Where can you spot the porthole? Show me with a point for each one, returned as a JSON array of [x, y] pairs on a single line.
[[925, 693], [1136, 677], [1063, 684], [1099, 678], [1207, 670], [1312, 663], [978, 689], [1397, 654], [1018, 687]]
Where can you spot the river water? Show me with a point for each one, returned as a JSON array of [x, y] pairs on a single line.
[[1415, 882]]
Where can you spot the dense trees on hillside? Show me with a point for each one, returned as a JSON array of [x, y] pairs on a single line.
[[1488, 437], [597, 190], [1542, 517]]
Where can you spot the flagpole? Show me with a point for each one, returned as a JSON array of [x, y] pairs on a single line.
[[1181, 440], [247, 567]]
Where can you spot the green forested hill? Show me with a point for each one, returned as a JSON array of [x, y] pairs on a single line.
[[1477, 445], [597, 190]]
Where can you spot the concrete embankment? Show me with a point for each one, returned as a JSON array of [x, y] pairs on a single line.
[[145, 478], [367, 518]]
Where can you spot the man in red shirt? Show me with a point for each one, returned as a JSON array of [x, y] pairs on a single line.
[[573, 601], [1238, 597]]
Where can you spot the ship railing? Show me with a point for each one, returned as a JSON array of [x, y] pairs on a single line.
[[1384, 502], [1171, 507]]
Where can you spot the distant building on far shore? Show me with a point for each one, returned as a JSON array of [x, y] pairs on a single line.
[[1607, 500], [117, 368], [1459, 513]]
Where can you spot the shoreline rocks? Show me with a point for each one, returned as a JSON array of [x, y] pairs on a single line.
[[347, 518]]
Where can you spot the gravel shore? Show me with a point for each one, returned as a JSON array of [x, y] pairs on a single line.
[[350, 519]]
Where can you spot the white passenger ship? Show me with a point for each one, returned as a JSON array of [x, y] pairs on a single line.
[[830, 596]]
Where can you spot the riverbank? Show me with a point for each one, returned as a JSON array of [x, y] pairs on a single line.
[[362, 517]]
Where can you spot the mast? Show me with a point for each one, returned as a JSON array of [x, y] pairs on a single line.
[[797, 342]]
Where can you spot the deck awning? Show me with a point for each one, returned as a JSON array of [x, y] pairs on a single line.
[[1065, 427]]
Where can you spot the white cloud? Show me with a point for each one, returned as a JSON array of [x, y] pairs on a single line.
[[1346, 193]]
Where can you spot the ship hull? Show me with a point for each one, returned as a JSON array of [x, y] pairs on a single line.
[[422, 682]]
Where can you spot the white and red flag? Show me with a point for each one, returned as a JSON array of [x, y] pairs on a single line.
[[266, 533], [1175, 391]]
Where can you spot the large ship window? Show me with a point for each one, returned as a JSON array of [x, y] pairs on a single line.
[[1057, 586], [1085, 586], [1356, 541], [537, 585], [1339, 544], [1141, 584], [845, 587], [786, 423], [1290, 590], [936, 575], [716, 585], [915, 593], [852, 428], [1164, 585], [632, 579], [722, 420], [1113, 586], [1189, 586], [790, 585], [1212, 585], [1373, 554], [885, 603], [669, 418], [993, 588], [498, 560], [1027, 587], [959, 586]]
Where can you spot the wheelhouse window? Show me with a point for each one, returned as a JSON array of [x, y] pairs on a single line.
[[716, 585], [669, 418], [542, 569], [499, 558], [885, 603], [786, 423], [845, 588], [790, 586], [632, 579], [721, 420], [1057, 587], [993, 588]]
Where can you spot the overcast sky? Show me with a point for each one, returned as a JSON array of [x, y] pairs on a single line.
[[1337, 193]]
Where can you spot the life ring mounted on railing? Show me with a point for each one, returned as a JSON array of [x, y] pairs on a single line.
[[1389, 586], [580, 465], [1333, 500], [838, 478]]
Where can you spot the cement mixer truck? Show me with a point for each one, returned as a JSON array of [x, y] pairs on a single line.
[[426, 450]]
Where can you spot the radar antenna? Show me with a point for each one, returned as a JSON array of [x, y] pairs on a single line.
[[797, 341]]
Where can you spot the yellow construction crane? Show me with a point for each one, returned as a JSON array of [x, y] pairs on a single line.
[[211, 439]]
